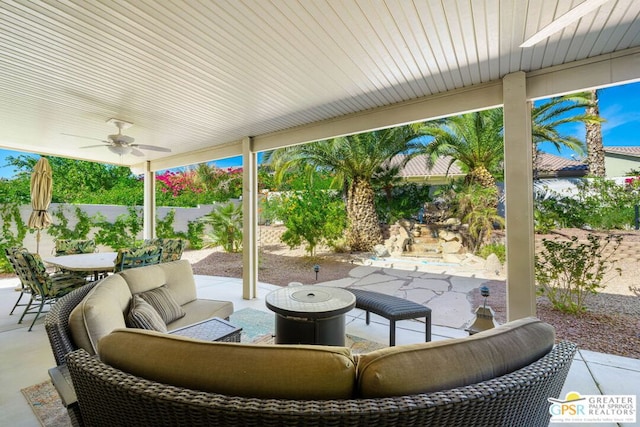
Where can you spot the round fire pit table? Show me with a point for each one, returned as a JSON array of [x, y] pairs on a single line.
[[310, 314]]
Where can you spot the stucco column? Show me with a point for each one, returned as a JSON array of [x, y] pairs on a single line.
[[250, 220], [149, 207], [518, 178]]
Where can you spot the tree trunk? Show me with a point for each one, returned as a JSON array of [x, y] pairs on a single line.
[[363, 231], [595, 149]]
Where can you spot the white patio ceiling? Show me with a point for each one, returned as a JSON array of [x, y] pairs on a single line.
[[196, 75]]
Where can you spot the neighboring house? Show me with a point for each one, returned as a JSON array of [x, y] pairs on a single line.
[[416, 170], [550, 166], [620, 161]]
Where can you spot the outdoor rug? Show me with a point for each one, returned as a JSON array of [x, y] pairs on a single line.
[[46, 405]]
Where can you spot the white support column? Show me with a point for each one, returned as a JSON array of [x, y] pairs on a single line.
[[250, 220], [518, 148], [149, 207]]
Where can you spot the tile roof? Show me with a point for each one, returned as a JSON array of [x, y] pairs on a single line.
[[627, 151], [417, 167], [548, 163], [551, 163]]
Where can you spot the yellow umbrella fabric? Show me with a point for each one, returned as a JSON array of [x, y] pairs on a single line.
[[41, 189]]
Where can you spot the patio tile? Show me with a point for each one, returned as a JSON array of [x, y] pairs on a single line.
[[436, 285]]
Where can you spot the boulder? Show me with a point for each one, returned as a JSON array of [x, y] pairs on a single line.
[[381, 251]]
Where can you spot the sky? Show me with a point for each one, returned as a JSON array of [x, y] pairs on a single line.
[[619, 106]]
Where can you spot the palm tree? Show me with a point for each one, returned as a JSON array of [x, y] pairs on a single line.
[[354, 160], [595, 149], [549, 116], [474, 140]]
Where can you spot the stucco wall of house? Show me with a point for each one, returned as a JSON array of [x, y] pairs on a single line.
[[620, 165]]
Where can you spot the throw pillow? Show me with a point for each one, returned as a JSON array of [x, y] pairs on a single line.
[[165, 304], [142, 315]]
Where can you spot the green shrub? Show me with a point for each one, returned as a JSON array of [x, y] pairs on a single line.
[[499, 249], [568, 271], [312, 217], [598, 203], [402, 201], [122, 233], [13, 232], [59, 229]]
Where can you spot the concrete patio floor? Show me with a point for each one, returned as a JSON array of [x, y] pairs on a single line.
[[26, 356]]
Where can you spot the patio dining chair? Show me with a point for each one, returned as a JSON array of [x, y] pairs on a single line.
[[45, 287], [23, 289], [137, 257], [172, 249], [73, 247]]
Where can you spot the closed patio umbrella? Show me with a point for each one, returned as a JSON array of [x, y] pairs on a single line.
[[41, 189]]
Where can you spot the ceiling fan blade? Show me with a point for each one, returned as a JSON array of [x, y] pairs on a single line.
[[151, 147], [93, 146], [137, 152], [84, 137]]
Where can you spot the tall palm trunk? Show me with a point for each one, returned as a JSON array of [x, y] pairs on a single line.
[[595, 149], [363, 231]]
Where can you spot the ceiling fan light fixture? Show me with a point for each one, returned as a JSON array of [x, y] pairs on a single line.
[[120, 149]]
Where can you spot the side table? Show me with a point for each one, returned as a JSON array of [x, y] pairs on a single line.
[[214, 329]]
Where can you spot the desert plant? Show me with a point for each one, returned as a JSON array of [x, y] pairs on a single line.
[[567, 271], [476, 207], [226, 224]]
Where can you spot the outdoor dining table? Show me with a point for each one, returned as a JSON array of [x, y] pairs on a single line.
[[97, 262]]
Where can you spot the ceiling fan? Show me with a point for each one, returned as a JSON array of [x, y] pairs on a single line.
[[122, 144]]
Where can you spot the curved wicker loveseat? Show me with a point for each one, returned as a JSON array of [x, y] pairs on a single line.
[[110, 397]]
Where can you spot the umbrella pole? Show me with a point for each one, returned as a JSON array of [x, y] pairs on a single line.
[[38, 242]]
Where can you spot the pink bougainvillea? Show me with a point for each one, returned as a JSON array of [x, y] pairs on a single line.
[[632, 183], [178, 182]]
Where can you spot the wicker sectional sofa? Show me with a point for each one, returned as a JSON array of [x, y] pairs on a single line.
[[499, 377]]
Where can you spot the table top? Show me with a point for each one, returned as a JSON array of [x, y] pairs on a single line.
[[310, 301], [96, 261], [214, 329]]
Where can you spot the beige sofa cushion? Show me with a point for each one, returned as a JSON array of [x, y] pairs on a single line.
[[446, 364], [249, 370], [100, 312], [202, 309], [177, 275]]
